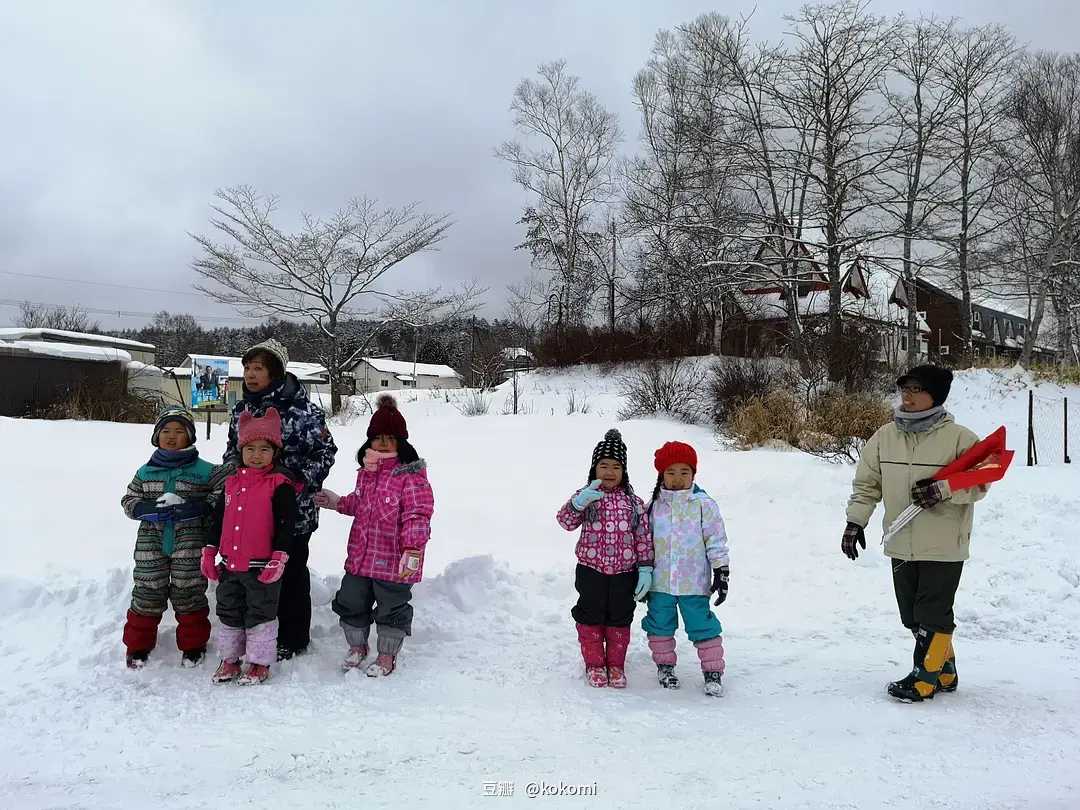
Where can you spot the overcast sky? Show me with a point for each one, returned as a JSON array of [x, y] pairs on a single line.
[[119, 121]]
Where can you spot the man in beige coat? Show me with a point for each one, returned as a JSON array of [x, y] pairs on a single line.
[[928, 555]]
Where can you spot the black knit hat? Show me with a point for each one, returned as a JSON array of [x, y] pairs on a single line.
[[936, 381], [612, 447]]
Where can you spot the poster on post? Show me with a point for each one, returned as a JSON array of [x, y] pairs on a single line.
[[209, 382]]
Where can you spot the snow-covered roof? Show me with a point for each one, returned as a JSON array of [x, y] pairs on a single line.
[[876, 305], [406, 367], [8, 334], [517, 353], [70, 351]]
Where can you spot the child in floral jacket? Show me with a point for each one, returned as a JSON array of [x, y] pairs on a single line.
[[691, 563], [391, 507], [615, 557]]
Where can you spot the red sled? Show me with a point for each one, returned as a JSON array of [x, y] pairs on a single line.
[[983, 463]]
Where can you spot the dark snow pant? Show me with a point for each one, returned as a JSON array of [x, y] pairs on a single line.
[[243, 601], [160, 579], [925, 591], [606, 599], [294, 608], [363, 600]]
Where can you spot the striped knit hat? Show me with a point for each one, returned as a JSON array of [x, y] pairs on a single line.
[[611, 447], [174, 413]]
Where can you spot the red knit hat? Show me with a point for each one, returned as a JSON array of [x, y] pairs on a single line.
[[252, 428], [675, 453], [387, 419]]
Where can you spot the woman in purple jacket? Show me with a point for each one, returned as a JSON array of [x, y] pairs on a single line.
[[391, 508]]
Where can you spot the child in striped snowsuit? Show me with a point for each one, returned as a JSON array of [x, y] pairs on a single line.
[[168, 498]]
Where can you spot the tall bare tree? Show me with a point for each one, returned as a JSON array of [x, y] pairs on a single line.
[[922, 107], [978, 66], [1044, 162], [681, 192], [566, 162], [841, 55], [322, 273]]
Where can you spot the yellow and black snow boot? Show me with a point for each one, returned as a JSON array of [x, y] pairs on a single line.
[[922, 683], [948, 680]]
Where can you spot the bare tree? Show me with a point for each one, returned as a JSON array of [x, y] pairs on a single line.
[[68, 319], [567, 165], [682, 202], [922, 107], [1044, 163], [321, 273], [834, 81], [978, 66]]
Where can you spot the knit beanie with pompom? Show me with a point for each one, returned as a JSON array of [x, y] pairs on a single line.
[[387, 419]]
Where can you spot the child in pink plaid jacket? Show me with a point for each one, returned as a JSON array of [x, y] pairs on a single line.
[[391, 508]]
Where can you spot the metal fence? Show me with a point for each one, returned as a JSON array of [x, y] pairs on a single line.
[[1049, 419]]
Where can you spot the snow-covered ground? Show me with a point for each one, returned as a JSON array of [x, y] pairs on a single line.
[[489, 689]]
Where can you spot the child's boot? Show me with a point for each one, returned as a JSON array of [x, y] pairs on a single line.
[[192, 635], [261, 644], [357, 637], [140, 637], [388, 643], [618, 639], [255, 673], [713, 687], [711, 655], [663, 655], [922, 683], [591, 639], [226, 672]]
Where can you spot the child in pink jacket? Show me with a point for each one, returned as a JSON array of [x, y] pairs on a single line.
[[615, 558], [391, 508], [252, 527]]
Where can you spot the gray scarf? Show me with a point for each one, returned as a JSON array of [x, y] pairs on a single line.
[[918, 421]]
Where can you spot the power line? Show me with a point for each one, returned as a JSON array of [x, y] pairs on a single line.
[[102, 284], [121, 313]]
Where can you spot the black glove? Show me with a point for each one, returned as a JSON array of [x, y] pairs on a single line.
[[853, 537], [720, 583], [928, 493]]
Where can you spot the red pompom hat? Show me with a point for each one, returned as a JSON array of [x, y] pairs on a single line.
[[252, 428], [387, 419], [675, 453]]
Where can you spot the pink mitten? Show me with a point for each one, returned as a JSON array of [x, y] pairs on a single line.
[[275, 568], [410, 562], [208, 563]]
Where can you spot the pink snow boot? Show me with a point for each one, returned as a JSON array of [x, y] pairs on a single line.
[[355, 658], [226, 672], [255, 673], [618, 639], [591, 639], [711, 654]]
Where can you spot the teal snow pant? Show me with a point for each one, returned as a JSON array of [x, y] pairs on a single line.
[[663, 616]]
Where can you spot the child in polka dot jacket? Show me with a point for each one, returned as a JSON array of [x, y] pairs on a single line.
[[615, 557]]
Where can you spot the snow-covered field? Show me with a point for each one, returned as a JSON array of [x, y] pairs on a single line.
[[489, 691]]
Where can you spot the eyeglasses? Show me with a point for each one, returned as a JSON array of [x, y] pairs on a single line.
[[912, 389]]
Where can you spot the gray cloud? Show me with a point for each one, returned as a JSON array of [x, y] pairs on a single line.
[[122, 119]]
